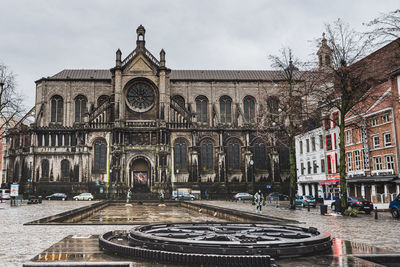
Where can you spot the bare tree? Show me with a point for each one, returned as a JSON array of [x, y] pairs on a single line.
[[344, 82], [386, 27], [10, 102], [285, 112]]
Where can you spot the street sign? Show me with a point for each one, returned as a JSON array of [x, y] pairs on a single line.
[[14, 189], [268, 186]]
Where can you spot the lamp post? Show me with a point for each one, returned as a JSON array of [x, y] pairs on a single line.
[[30, 175], [252, 175]]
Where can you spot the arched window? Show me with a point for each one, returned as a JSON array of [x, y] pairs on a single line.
[[65, 170], [16, 171], [233, 155], [100, 155], [259, 156], [102, 99], [179, 100], [80, 108], [56, 108], [249, 108], [45, 168], [206, 156], [201, 109], [180, 154], [327, 60], [225, 103]]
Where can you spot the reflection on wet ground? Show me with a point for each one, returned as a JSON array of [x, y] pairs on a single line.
[[75, 248], [147, 213]]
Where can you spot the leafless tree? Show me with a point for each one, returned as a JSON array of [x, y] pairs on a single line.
[[386, 27], [285, 111], [10, 102], [345, 81]]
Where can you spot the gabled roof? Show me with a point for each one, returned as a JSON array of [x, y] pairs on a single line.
[[376, 99], [183, 75]]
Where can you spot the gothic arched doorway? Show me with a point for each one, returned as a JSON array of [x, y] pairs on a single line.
[[139, 174]]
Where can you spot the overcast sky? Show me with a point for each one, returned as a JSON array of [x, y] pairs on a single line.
[[40, 38]]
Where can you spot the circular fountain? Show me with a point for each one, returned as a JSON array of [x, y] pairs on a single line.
[[217, 243]]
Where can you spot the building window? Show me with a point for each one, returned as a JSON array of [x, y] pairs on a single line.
[[100, 155], [206, 156], [45, 168], [46, 139], [385, 118], [59, 139], [388, 140], [315, 166], [348, 137], [375, 140], [301, 147], [327, 60], [389, 162], [180, 152], [374, 122], [349, 161], [201, 108], [329, 164], [80, 108], [378, 163], [249, 108], [234, 156], [313, 143], [363, 134], [66, 139], [56, 109], [260, 157], [53, 139], [357, 160], [335, 118], [365, 159], [65, 172], [322, 165], [321, 142], [328, 142], [40, 139], [302, 168], [309, 167], [327, 123], [225, 104], [308, 145]]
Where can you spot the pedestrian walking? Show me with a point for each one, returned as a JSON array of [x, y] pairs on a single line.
[[258, 200], [128, 196]]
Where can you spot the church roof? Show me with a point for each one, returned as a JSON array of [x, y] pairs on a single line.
[[180, 75]]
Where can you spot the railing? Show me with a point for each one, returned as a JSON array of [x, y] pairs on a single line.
[[179, 125], [140, 124], [101, 125], [155, 61]]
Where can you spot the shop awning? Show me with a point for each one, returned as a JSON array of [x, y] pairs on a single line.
[[329, 182], [308, 182], [374, 179]]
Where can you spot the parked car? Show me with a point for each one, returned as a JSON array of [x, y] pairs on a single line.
[[243, 196], [277, 195], [182, 195], [5, 194], [394, 207], [84, 196], [357, 203], [305, 201], [57, 196]]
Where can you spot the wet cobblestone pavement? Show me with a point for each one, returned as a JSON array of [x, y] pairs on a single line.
[[19, 243], [383, 233]]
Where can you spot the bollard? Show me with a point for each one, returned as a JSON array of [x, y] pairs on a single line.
[[308, 207], [376, 213]]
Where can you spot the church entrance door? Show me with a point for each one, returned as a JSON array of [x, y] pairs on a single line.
[[139, 175]]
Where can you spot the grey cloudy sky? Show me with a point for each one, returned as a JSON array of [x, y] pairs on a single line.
[[40, 38]]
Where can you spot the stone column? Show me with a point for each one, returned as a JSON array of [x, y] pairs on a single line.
[[373, 193], [363, 190], [299, 189], [307, 190], [398, 189], [313, 190], [385, 190]]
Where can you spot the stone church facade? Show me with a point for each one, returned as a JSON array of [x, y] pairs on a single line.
[[143, 125]]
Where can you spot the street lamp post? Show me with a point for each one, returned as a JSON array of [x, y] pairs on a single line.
[[252, 175]]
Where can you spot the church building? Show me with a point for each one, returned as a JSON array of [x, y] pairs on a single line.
[[144, 126]]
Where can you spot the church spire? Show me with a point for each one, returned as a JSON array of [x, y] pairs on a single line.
[[324, 54], [140, 31]]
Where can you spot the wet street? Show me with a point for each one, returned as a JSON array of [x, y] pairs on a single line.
[[19, 243], [365, 229]]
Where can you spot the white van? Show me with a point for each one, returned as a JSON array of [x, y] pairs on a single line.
[[4, 193]]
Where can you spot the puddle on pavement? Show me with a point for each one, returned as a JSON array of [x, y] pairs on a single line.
[[147, 213], [78, 248]]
